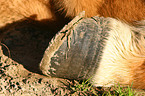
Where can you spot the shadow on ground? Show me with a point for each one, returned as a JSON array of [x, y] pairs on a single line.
[[26, 40]]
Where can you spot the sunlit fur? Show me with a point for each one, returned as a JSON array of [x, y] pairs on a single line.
[[126, 10], [74, 7], [13, 10], [123, 58]]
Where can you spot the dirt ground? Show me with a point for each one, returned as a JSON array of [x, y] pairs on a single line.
[[25, 42]]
